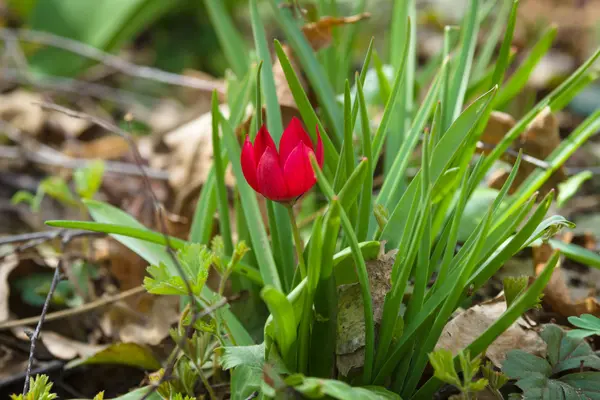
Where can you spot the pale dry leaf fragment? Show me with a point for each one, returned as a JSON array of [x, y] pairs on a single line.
[[65, 348], [21, 110], [319, 33], [189, 156], [8, 264], [351, 323], [539, 140], [470, 324], [148, 323]]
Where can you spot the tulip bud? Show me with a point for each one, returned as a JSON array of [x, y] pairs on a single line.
[[286, 174]]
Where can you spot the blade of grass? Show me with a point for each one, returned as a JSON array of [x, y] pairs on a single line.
[[361, 271], [223, 205], [577, 253], [557, 158], [484, 273], [487, 51], [306, 110], [153, 253], [519, 78], [310, 65], [280, 225], [382, 130], [284, 321], [445, 151], [419, 363], [401, 38], [230, 39], [460, 75], [348, 131], [324, 332], [504, 55], [313, 277], [390, 189], [347, 45], [516, 309], [202, 224], [147, 236], [365, 205], [447, 104]]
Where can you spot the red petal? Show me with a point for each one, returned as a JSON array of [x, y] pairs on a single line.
[[319, 153], [248, 162], [270, 177], [292, 135], [298, 172], [262, 141]]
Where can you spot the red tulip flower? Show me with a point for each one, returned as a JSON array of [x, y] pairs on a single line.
[[285, 175]]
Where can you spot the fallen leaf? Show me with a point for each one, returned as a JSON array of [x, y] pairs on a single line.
[[61, 346], [470, 324], [188, 157], [146, 323], [539, 140], [109, 147], [563, 299], [319, 33], [19, 109], [351, 323], [7, 265], [131, 354]]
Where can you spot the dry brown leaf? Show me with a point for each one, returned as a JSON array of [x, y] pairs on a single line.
[[539, 140], [351, 324], [8, 264], [20, 110], [148, 323], [558, 295], [188, 157], [110, 147], [319, 33], [470, 324], [64, 348]]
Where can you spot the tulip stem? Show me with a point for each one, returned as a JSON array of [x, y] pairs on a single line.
[[297, 241]]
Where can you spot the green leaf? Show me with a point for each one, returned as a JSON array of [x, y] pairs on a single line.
[[195, 261], [316, 388], [445, 151], [39, 389], [514, 286], [462, 71], [89, 178], [382, 130], [568, 188], [442, 362], [149, 237], [137, 394], [519, 78], [310, 65], [229, 37], [105, 25], [57, 188], [577, 253], [536, 375], [361, 272], [306, 110], [130, 354], [153, 253], [284, 320], [223, 204], [588, 324]]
